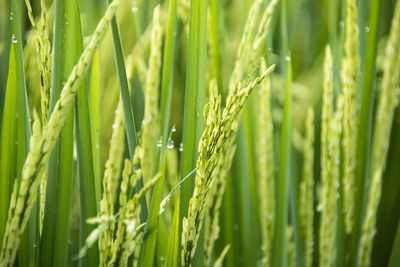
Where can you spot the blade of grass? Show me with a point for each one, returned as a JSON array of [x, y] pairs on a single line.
[[4, 52], [8, 152], [395, 255], [242, 176], [15, 121], [229, 222], [94, 106], [166, 97], [279, 250], [388, 215], [193, 121], [215, 53], [148, 246], [127, 105], [364, 133], [87, 184], [26, 253], [15, 142], [56, 220], [200, 102], [250, 222], [168, 71], [172, 258]]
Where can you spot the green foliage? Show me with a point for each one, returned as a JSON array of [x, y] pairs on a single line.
[[234, 133]]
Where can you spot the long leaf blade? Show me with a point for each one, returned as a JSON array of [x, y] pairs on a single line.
[[56, 220]]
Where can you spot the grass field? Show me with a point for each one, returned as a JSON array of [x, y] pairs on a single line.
[[199, 133]]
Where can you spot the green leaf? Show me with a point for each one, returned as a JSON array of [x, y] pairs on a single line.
[[168, 71], [94, 106], [241, 174], [395, 256], [364, 133], [89, 188], [127, 105], [388, 214], [8, 152], [60, 175], [14, 141], [279, 250], [195, 92], [215, 55], [149, 244], [15, 137], [172, 258]]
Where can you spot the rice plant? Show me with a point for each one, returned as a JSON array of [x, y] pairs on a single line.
[[199, 133]]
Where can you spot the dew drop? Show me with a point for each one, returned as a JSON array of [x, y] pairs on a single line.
[[367, 29], [14, 39], [341, 24], [16, 142], [287, 58], [181, 147], [170, 144], [162, 258], [173, 129], [134, 9], [319, 207], [11, 16], [159, 143]]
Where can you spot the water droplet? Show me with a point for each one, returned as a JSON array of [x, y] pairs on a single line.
[[170, 144], [287, 58], [173, 129], [341, 24], [319, 207], [181, 147], [367, 29], [134, 9], [14, 39], [159, 143], [16, 142], [162, 258], [337, 162], [97, 146]]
